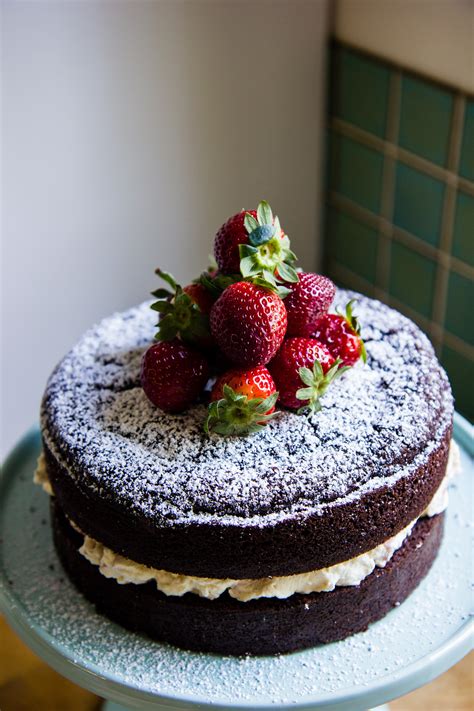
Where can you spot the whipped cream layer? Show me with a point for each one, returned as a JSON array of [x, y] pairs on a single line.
[[350, 572]]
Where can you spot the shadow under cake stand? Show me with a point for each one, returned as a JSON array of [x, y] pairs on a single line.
[[412, 645]]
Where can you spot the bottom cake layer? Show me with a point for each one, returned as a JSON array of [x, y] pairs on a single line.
[[263, 626]]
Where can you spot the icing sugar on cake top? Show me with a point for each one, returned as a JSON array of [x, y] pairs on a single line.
[[378, 421]]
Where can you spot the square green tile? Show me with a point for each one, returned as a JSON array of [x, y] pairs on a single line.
[[418, 203], [349, 283], [425, 119], [458, 320], [463, 237], [356, 172], [466, 165], [459, 369], [359, 90], [352, 244], [412, 278]]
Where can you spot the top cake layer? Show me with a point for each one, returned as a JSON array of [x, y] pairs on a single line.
[[379, 423]]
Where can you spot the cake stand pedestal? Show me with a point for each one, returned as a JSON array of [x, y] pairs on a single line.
[[412, 645]]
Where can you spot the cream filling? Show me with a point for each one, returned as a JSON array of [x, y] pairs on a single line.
[[350, 572], [40, 476]]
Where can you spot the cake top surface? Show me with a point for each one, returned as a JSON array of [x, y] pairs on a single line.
[[379, 421]]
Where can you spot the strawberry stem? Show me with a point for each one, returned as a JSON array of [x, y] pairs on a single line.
[[180, 315], [267, 260], [316, 382], [236, 414]]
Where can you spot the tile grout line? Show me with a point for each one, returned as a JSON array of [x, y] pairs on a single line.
[[407, 238], [402, 154], [440, 299], [385, 221], [454, 342], [381, 220], [375, 57], [458, 345]]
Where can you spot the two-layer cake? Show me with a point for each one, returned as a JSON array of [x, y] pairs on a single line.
[[303, 533]]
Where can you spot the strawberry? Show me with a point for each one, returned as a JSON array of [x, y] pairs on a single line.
[[266, 257], [303, 361], [215, 282], [242, 402], [227, 240], [341, 334], [309, 299], [248, 323], [253, 244], [173, 375], [200, 296], [183, 312]]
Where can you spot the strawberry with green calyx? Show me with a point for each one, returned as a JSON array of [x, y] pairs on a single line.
[[242, 402], [341, 334], [183, 312], [215, 283], [267, 259], [200, 296], [316, 383], [298, 355], [227, 241]]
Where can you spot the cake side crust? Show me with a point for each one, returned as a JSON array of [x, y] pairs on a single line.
[[286, 548], [264, 626], [305, 493]]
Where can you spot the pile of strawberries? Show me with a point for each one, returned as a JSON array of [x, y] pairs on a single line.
[[249, 333]]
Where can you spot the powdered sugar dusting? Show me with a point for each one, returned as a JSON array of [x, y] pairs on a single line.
[[378, 421], [37, 594]]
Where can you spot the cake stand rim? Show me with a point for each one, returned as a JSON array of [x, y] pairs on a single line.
[[381, 691]]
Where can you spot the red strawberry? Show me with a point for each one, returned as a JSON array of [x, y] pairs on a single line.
[[341, 335], [200, 296], [252, 382], [242, 401], [291, 371], [183, 312], [309, 299], [253, 244], [173, 375], [227, 240], [249, 323]]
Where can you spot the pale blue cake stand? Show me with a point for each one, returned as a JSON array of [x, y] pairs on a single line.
[[422, 638]]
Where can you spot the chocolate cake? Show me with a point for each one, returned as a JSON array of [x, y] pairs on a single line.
[[303, 533]]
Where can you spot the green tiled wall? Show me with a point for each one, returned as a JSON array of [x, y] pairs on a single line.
[[400, 201]]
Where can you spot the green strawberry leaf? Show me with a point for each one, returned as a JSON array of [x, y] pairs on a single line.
[[246, 250], [282, 291], [288, 273], [268, 256], [248, 267], [161, 293], [212, 264], [306, 376], [250, 223], [163, 307], [236, 414], [167, 277], [264, 213], [317, 383], [167, 329], [181, 316]]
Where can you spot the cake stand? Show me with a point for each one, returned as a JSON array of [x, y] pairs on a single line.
[[422, 638]]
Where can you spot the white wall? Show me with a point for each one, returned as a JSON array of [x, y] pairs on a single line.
[[130, 131], [434, 37]]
